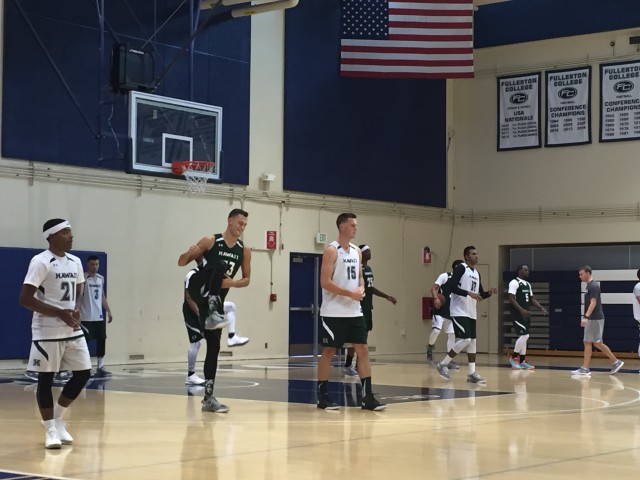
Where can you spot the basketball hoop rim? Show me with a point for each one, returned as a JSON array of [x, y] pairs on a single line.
[[180, 166]]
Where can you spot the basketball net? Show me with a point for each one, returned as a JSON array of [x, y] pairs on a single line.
[[197, 174]]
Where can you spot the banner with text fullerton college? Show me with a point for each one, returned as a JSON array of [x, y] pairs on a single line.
[[619, 101], [568, 120], [519, 112]]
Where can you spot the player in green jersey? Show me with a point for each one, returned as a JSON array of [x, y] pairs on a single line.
[[521, 297], [367, 306], [227, 248]]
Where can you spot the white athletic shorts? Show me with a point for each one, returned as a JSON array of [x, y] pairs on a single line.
[[438, 322], [57, 356]]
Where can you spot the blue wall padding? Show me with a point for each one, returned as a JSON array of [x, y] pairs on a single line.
[[15, 342], [378, 139]]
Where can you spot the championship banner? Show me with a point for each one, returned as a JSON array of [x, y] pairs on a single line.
[[568, 105], [619, 101], [519, 112]]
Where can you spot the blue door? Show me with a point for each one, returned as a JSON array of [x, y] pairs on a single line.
[[304, 302]]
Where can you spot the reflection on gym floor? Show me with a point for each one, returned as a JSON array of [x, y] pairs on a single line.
[[144, 423]]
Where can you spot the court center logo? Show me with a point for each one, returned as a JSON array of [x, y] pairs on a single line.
[[518, 98], [623, 87]]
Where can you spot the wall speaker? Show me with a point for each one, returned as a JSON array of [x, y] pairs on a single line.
[[131, 69]]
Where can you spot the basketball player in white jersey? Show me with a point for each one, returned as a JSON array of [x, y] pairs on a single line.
[[466, 292], [51, 289], [93, 300], [341, 314], [441, 314]]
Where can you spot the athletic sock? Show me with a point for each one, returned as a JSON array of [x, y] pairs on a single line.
[[366, 386], [472, 367], [58, 410], [521, 358], [348, 361], [190, 372], [430, 348], [322, 386], [231, 335], [208, 389]]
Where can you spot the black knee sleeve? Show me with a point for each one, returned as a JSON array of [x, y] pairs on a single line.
[[43, 393], [76, 383], [212, 337]]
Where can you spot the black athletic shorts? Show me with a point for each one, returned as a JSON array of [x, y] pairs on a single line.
[[521, 324], [464, 327], [192, 322], [336, 331], [95, 330], [368, 318]]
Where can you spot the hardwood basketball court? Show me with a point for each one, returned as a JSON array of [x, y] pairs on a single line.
[[145, 424]]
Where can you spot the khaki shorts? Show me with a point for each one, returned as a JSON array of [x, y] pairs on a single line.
[[593, 331]]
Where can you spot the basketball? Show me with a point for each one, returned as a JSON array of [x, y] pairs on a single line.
[[442, 299]]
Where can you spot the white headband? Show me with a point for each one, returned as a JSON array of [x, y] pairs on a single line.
[[365, 248], [55, 229]]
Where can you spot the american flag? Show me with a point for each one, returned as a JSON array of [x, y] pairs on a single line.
[[407, 38]]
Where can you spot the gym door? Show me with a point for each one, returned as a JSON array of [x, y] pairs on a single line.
[[304, 302]]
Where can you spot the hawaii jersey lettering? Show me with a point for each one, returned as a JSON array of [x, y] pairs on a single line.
[[232, 256], [66, 275]]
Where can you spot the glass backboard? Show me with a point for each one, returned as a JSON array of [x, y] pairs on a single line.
[[164, 130]]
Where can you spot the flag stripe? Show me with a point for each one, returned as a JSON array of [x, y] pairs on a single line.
[[405, 56], [463, 5], [407, 62], [427, 38], [409, 47], [411, 39], [447, 74], [428, 18], [437, 25], [430, 13], [447, 3], [406, 68], [450, 52], [430, 31]]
